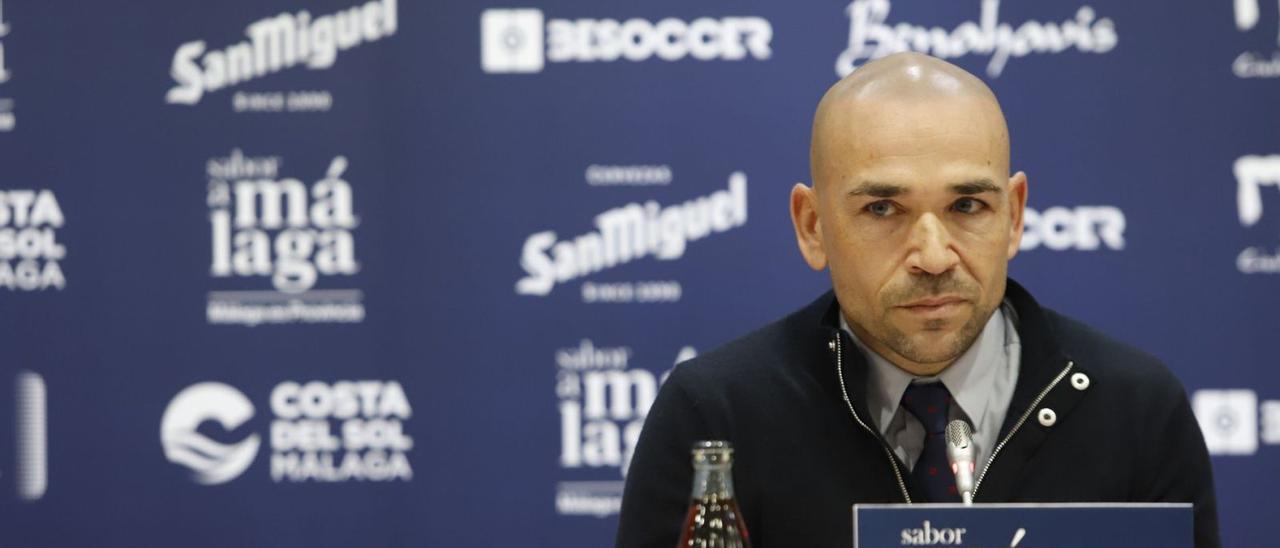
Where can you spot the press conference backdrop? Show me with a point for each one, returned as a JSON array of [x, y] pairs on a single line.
[[342, 273]]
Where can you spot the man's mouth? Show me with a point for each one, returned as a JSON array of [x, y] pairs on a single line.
[[935, 306]]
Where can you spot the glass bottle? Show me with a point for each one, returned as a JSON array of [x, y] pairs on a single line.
[[714, 520]]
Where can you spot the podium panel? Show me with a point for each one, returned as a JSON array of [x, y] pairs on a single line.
[[1069, 525]]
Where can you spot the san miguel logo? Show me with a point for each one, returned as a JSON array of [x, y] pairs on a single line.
[[273, 44], [628, 233]]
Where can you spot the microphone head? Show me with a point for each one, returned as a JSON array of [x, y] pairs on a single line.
[[961, 454], [959, 434]]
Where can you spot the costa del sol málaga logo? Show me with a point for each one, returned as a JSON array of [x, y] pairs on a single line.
[[211, 462]]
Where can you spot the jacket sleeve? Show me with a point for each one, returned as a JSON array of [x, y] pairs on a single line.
[[660, 476], [1177, 462]]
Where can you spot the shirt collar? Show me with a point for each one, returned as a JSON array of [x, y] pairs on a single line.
[[966, 378]]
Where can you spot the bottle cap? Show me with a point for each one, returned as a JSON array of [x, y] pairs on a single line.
[[712, 452]]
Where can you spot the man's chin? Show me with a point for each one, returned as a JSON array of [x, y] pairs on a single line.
[[932, 347], [931, 331]]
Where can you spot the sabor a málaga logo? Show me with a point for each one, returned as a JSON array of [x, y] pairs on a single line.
[[321, 432], [928, 535], [872, 36], [604, 399], [266, 225], [277, 43], [524, 41]]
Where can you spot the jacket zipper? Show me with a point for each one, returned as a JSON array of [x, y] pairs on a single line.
[[1025, 415], [897, 474], [844, 392]]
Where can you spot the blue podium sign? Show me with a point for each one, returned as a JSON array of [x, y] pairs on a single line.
[[1168, 525]]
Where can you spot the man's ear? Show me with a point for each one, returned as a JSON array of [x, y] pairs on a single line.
[[804, 216], [1017, 207]]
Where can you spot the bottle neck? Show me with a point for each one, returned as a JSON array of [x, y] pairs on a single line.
[[712, 482]]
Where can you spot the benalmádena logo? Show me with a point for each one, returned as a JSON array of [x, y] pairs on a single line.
[[872, 36], [210, 462]]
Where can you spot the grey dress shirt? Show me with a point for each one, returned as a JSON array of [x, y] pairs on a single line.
[[981, 383]]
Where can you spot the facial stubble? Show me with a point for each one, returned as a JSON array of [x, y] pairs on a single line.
[[901, 343]]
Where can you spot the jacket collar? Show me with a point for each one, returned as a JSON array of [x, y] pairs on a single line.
[[1042, 356], [1043, 360]]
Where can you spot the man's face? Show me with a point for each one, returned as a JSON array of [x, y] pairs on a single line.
[[918, 218]]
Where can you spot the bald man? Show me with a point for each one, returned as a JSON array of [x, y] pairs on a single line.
[[914, 213]]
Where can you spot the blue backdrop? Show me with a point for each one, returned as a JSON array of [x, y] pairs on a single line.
[[408, 273]]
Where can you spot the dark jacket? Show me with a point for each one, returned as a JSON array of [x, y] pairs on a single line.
[[1124, 432]]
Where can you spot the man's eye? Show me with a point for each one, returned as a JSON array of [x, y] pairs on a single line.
[[880, 209], [968, 205]]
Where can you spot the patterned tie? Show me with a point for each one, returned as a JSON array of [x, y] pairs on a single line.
[[929, 403]]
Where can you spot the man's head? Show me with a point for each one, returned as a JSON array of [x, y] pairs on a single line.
[[912, 207]]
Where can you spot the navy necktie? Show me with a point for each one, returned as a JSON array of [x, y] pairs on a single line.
[[929, 404]]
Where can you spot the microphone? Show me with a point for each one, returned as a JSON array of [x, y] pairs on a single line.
[[961, 455]]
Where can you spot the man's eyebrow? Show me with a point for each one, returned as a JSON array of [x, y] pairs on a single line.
[[976, 187], [877, 190]]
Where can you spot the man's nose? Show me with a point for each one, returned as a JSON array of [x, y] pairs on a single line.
[[932, 250]]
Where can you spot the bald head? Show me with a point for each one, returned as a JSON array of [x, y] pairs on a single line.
[[913, 208], [907, 93]]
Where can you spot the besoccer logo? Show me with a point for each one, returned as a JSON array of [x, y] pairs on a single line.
[[524, 40], [1234, 421], [211, 462], [511, 40], [1084, 228], [1229, 420]]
